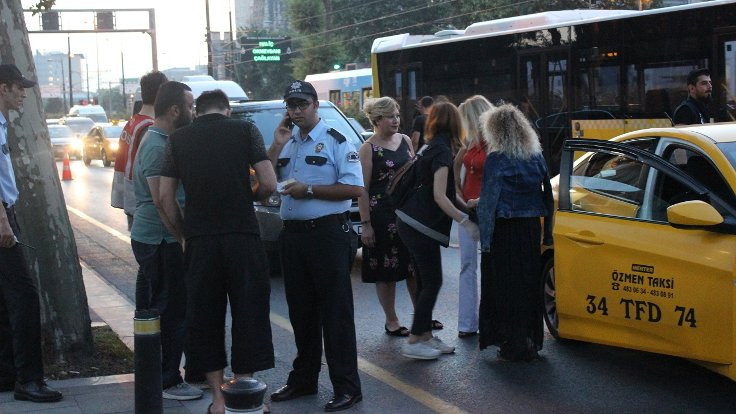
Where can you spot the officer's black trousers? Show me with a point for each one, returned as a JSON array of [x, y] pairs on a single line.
[[316, 267], [20, 316]]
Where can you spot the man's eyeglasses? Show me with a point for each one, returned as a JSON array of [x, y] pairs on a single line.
[[301, 105]]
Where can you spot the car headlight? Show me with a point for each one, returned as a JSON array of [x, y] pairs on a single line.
[[77, 144], [114, 146]]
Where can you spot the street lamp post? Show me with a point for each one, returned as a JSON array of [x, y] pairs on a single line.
[[69, 57]]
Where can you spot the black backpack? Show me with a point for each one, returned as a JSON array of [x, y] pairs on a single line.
[[405, 182]]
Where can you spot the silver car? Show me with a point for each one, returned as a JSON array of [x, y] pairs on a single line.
[[267, 115]]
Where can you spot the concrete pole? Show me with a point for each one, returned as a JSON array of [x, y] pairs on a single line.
[[69, 58]]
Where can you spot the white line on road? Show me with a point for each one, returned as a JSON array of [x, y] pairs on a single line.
[[427, 399]]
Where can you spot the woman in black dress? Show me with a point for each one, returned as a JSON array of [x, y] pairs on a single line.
[[515, 193], [385, 259]]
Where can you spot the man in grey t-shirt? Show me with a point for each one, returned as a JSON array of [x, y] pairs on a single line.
[[160, 283]]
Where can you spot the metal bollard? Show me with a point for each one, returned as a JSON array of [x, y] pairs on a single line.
[[243, 395], [148, 394]]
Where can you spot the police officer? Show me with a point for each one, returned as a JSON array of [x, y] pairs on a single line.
[[21, 363], [319, 173]]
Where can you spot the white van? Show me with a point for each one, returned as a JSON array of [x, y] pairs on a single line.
[[233, 91], [94, 112]]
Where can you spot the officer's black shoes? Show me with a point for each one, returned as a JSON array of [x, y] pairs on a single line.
[[289, 392], [343, 402], [36, 391]]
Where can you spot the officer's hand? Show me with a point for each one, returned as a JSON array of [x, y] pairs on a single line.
[[368, 236], [7, 237], [296, 189], [283, 132]]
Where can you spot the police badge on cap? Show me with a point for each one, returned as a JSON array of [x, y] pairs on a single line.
[[300, 90]]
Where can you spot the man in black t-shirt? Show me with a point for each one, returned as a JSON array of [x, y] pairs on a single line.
[[225, 258], [417, 127], [693, 109]]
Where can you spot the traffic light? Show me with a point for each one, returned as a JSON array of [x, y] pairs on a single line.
[[336, 66], [50, 21], [104, 20]]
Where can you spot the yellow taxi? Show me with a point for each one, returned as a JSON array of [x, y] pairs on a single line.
[[644, 250]]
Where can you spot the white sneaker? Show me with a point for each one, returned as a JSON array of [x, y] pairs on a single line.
[[437, 344], [182, 392], [420, 350]]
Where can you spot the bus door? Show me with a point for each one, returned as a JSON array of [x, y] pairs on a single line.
[[544, 99], [404, 85], [724, 79]]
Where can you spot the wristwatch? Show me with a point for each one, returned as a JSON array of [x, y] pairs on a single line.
[[310, 191]]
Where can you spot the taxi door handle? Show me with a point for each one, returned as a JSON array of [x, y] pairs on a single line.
[[584, 238]]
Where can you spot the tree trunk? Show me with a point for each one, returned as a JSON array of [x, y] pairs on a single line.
[[41, 209]]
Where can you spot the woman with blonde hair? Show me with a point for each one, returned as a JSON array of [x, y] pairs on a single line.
[[425, 220], [468, 169], [385, 258], [516, 192]]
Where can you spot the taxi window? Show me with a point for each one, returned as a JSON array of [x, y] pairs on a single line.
[[668, 191], [609, 184]]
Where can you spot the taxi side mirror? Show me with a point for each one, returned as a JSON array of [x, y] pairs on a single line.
[[693, 213]]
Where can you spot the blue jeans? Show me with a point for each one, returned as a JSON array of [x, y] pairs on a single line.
[[160, 285]]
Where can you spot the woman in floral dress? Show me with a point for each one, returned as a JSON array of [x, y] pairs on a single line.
[[385, 259]]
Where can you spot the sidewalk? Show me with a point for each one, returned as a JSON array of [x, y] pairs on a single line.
[[98, 395]]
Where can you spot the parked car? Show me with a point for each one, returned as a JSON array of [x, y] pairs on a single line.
[[358, 127], [64, 141], [101, 143], [266, 115], [231, 89], [644, 252]]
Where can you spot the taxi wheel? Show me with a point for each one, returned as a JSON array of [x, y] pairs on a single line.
[[105, 160], [549, 294]]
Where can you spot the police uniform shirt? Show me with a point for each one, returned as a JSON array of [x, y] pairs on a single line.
[[318, 159], [8, 189]]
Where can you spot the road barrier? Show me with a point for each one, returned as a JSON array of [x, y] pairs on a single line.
[[243, 395]]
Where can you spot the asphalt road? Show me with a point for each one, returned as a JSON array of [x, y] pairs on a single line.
[[572, 376]]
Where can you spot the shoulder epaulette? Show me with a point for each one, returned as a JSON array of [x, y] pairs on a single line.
[[340, 138]]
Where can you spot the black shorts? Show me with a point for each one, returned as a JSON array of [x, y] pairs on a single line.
[[220, 267]]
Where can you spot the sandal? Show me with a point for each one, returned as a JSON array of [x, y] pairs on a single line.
[[400, 331], [437, 325]]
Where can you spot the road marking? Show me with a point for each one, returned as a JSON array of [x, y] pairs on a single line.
[[430, 401], [105, 227]]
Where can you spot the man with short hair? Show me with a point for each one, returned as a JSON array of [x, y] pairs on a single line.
[[322, 172], [225, 258], [160, 283], [693, 109], [417, 127], [21, 364], [123, 194]]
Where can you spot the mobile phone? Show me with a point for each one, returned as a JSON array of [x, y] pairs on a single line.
[[289, 123]]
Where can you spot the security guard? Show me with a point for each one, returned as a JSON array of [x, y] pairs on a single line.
[[319, 173]]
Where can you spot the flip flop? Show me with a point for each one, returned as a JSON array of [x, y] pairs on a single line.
[[437, 325], [400, 331]]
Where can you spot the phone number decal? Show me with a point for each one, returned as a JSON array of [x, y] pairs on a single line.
[[661, 287], [641, 310]]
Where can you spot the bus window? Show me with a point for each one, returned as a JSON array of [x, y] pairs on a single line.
[[529, 84], [728, 83], [412, 84], [335, 97], [661, 88], [397, 85], [598, 80], [367, 93], [347, 100], [556, 82]]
